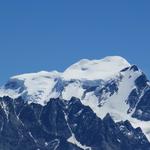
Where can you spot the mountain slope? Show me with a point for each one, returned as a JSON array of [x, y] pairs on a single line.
[[63, 125], [110, 85]]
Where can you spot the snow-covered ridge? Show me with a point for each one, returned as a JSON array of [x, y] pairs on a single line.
[[84, 69], [40, 87]]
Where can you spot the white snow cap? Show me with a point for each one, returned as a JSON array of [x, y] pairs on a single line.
[[96, 69], [39, 87], [84, 69]]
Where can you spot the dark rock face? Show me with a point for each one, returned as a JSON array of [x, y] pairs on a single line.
[[143, 108], [132, 100], [34, 127], [141, 82], [134, 68], [110, 87], [25, 127], [139, 99]]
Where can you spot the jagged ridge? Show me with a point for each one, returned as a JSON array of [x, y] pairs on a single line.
[[63, 125]]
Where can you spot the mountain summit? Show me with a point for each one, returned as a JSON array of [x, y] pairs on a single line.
[[96, 69]]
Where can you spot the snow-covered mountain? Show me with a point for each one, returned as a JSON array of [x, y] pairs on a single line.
[[74, 81], [109, 85]]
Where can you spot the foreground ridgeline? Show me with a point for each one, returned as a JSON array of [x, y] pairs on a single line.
[[63, 125]]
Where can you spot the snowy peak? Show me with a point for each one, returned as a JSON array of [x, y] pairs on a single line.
[[96, 69], [74, 81]]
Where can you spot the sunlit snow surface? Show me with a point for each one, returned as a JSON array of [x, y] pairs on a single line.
[[40, 87], [95, 69]]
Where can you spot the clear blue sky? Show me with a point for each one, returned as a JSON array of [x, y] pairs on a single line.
[[52, 34]]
